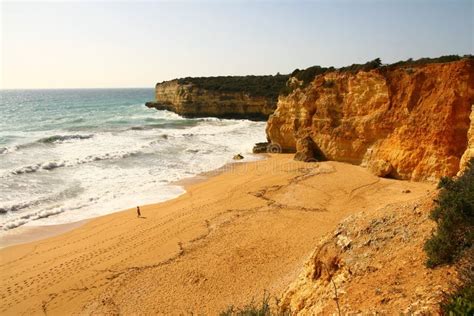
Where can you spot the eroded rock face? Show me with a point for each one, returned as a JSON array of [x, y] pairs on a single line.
[[415, 119], [190, 101], [372, 263], [380, 168], [307, 150], [469, 153]]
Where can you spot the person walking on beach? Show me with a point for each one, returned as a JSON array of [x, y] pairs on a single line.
[[138, 211]]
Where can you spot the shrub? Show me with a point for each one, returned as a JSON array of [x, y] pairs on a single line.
[[425, 60], [306, 76], [273, 86], [309, 74], [251, 309], [454, 214], [454, 239], [461, 302], [264, 86], [354, 68]]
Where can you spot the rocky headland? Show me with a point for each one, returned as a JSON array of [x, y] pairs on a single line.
[[234, 97]]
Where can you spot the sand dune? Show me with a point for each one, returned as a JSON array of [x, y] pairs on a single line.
[[224, 242]]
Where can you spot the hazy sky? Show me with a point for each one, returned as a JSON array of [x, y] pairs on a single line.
[[136, 44]]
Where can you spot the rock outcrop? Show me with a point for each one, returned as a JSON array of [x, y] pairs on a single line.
[[469, 153], [405, 123], [373, 263], [190, 100]]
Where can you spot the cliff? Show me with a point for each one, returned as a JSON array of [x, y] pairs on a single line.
[[469, 153], [401, 122], [240, 97]]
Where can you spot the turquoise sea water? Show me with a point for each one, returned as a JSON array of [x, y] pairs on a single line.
[[67, 155]]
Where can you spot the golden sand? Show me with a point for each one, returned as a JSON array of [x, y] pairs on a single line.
[[224, 242]]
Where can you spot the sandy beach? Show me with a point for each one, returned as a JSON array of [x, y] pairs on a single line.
[[224, 242], [299, 158]]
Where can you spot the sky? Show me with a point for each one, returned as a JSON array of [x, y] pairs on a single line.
[[106, 44]]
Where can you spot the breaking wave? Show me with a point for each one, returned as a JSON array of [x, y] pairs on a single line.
[[50, 165], [55, 139], [108, 150], [31, 217], [69, 192], [62, 138]]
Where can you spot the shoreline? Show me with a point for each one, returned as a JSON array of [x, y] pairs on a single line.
[[30, 233], [226, 241], [27, 234]]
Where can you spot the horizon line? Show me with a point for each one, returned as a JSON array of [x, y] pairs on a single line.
[[75, 88]]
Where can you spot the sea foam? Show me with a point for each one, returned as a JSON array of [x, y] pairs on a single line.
[[67, 160]]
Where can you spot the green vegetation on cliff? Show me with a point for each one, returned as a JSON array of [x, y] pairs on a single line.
[[272, 86], [453, 241], [424, 61], [306, 76], [262, 86], [454, 214]]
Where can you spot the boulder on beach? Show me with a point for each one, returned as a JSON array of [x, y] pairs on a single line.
[[260, 148], [308, 151]]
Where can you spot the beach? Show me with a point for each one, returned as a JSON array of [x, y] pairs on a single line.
[[237, 158], [226, 241], [71, 155]]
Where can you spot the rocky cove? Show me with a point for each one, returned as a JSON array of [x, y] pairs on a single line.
[[325, 237], [237, 158], [409, 120]]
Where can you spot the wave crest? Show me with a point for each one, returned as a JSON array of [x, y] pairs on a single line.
[[55, 139], [50, 165], [62, 138]]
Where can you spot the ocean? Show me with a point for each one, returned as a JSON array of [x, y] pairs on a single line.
[[72, 154]]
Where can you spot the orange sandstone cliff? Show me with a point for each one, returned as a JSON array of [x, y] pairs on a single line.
[[407, 123], [190, 100], [469, 153]]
